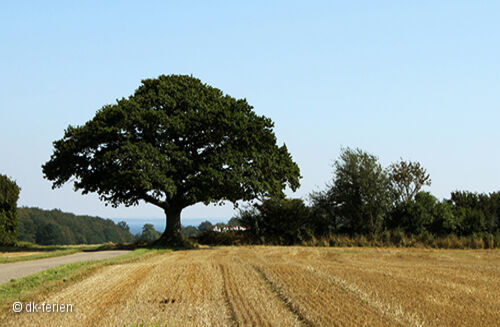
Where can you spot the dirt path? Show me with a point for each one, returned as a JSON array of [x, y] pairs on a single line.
[[15, 270], [285, 286]]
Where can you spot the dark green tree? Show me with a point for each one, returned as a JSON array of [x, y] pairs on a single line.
[[205, 226], [123, 225], [361, 192], [279, 221], [444, 222], [149, 233], [470, 221], [72, 229], [50, 233], [475, 213], [175, 142], [234, 222], [9, 194], [323, 214], [189, 231], [27, 230], [495, 203], [418, 215], [465, 199]]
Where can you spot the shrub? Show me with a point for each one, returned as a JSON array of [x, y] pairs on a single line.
[[444, 221], [278, 221], [489, 241], [475, 242], [189, 231], [205, 226], [416, 216], [397, 237], [426, 238], [225, 238], [497, 239]]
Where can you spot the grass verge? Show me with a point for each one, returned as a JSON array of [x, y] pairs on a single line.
[[48, 251], [35, 286], [41, 255]]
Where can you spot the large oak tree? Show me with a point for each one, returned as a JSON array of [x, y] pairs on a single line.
[[175, 142]]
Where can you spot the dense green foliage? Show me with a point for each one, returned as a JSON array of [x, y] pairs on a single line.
[[377, 206], [464, 214], [173, 143], [358, 199], [56, 227], [234, 222], [376, 199], [149, 234], [278, 221], [9, 194], [205, 226], [189, 231], [423, 214], [360, 192], [226, 238]]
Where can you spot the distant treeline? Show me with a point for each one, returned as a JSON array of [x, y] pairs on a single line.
[[149, 233], [56, 227]]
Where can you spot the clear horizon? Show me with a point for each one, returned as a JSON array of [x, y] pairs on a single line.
[[411, 80]]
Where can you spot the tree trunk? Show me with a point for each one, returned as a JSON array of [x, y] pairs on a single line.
[[172, 233]]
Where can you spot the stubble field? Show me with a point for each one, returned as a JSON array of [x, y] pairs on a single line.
[[285, 286]]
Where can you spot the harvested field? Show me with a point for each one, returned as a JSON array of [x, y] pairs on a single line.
[[16, 254], [286, 286]]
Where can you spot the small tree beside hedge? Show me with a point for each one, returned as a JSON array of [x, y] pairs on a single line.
[[9, 194]]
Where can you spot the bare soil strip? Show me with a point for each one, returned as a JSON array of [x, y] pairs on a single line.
[[286, 286]]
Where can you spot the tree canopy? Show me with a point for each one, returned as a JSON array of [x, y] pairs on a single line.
[[9, 194], [408, 178], [360, 192], [56, 227], [173, 143], [148, 234], [205, 226]]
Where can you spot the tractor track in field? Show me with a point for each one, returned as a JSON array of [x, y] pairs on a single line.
[[284, 286], [229, 303], [283, 298]]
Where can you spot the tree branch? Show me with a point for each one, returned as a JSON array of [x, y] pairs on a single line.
[[152, 200]]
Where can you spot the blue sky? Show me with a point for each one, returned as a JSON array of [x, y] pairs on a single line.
[[418, 80]]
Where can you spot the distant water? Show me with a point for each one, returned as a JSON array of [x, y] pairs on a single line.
[[136, 224]]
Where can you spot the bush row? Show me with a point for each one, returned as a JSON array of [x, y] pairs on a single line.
[[366, 204]]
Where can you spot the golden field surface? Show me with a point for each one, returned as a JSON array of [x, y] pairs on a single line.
[[17, 254], [285, 286]]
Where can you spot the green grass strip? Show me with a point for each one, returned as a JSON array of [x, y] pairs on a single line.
[[41, 283], [44, 251], [41, 255]]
